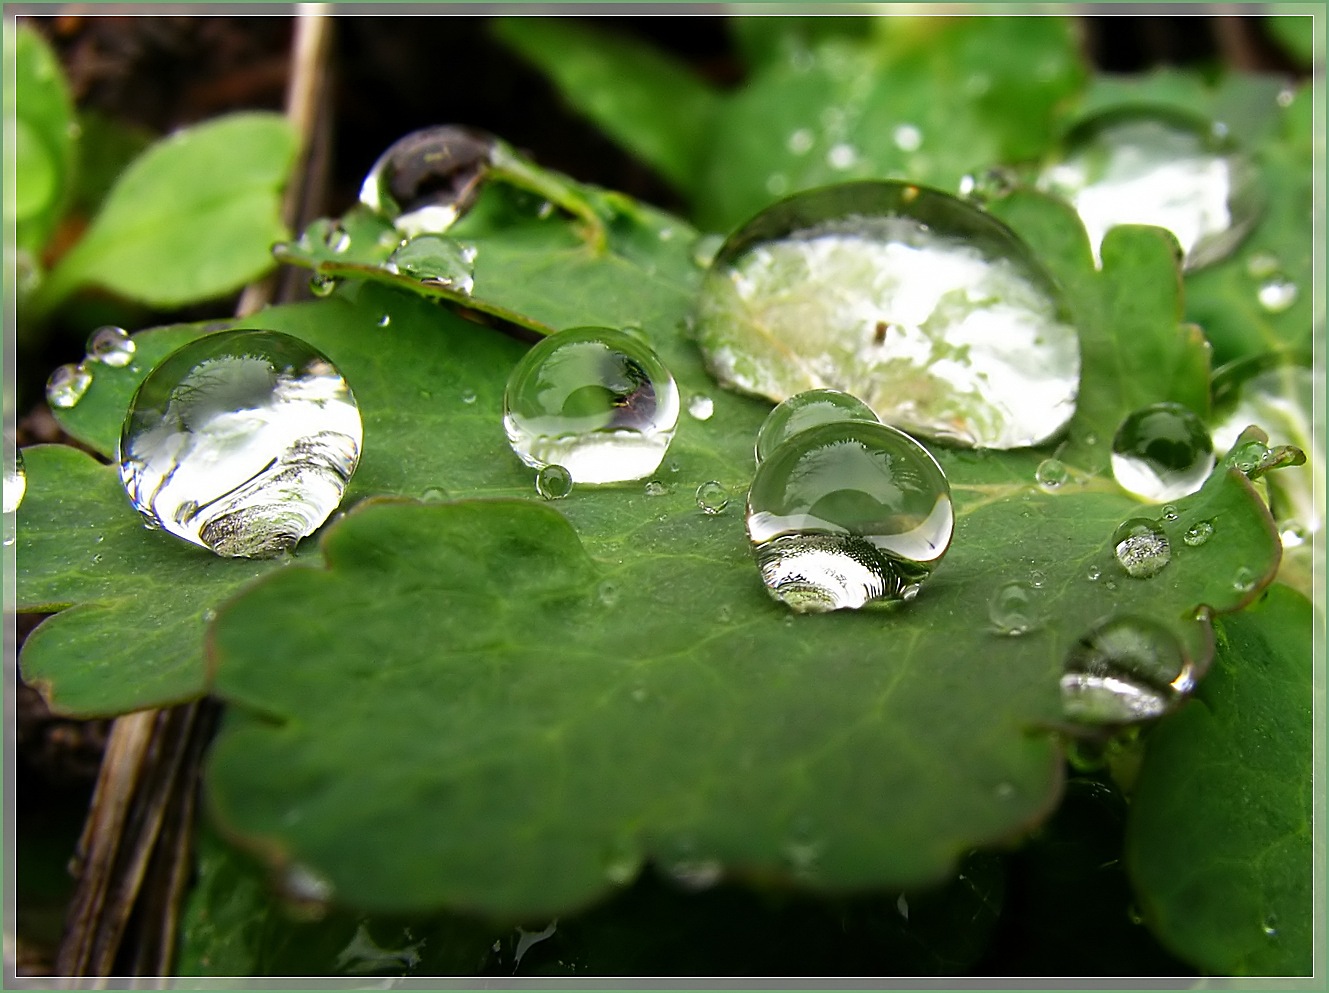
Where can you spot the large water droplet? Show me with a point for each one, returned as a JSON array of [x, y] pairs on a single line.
[[595, 400], [553, 482], [111, 346], [1127, 669], [1160, 167], [807, 410], [1141, 548], [1013, 609], [429, 178], [241, 441], [66, 386], [1162, 452], [712, 497], [436, 261], [846, 513], [932, 312]]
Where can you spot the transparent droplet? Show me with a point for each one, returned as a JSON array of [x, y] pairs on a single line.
[[1051, 473], [16, 483], [846, 513], [807, 410], [111, 346], [1169, 512], [1013, 609], [1244, 580], [1270, 925], [842, 156], [436, 261], [701, 407], [241, 441], [468, 397], [1162, 452], [1198, 533], [1127, 669], [385, 320], [1161, 167], [322, 285], [902, 907], [907, 138], [429, 178], [594, 400], [607, 593], [712, 497], [1037, 579], [1093, 573], [308, 891], [1277, 295], [66, 386], [926, 308], [553, 482], [1141, 548], [800, 142], [655, 488], [1293, 534], [777, 184]]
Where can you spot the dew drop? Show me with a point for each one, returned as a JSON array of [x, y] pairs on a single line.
[[1270, 925], [468, 397], [241, 441], [1170, 512], [1051, 474], [1037, 579], [429, 178], [808, 410], [1277, 295], [712, 497], [1160, 167], [66, 386], [1093, 573], [1244, 580], [322, 285], [701, 407], [1198, 533], [436, 261], [846, 513], [1262, 265], [1292, 533], [384, 321], [902, 907], [434, 494], [907, 138], [923, 306], [1013, 609], [553, 482], [842, 156], [1127, 669], [1162, 452], [910, 593], [1248, 457], [777, 184], [800, 142], [607, 593], [655, 488], [16, 483], [594, 400], [111, 346], [309, 890], [1141, 548]]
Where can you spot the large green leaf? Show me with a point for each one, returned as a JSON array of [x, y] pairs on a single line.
[[1219, 841], [43, 139], [191, 219]]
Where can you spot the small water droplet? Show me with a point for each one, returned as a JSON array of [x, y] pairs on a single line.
[[902, 907], [322, 285], [808, 410], [907, 138], [1037, 579], [1141, 548], [842, 156], [712, 497], [1005, 791], [845, 513], [1198, 533], [1013, 609], [655, 488], [800, 142], [337, 239], [16, 483], [468, 397], [594, 400], [1169, 512], [1092, 573], [553, 482], [1051, 474], [607, 593], [1277, 295], [111, 346], [429, 178], [777, 184], [910, 592], [1244, 580], [1162, 452], [434, 494], [725, 614], [701, 407], [385, 320], [1270, 925], [66, 386], [1293, 533], [435, 261], [1133, 915], [303, 886], [1125, 670], [241, 441], [1261, 265], [695, 874], [209, 615], [1285, 96]]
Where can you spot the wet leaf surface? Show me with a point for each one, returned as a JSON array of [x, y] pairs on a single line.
[[1219, 841]]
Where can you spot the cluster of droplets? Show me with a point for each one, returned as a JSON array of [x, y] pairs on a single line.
[[109, 346]]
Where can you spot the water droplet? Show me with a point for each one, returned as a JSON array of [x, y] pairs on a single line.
[[16, 483], [1092, 573], [436, 261], [607, 593], [111, 346], [725, 614], [1127, 669], [241, 441], [923, 306], [385, 320], [777, 184], [67, 384], [712, 497], [1050, 474], [1005, 791], [1248, 457], [1261, 265], [1141, 548], [553, 482], [807, 410], [800, 142], [1292, 533], [595, 400], [655, 488], [429, 178], [1170, 512], [302, 885], [434, 494], [1162, 452], [1277, 295], [1198, 533], [907, 138], [1161, 167], [701, 407], [842, 156], [468, 397], [1244, 580], [322, 285], [1013, 609], [704, 249], [902, 907], [845, 513], [1270, 925], [910, 592]]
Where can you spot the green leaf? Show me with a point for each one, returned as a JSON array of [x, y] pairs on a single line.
[[43, 139], [653, 105], [764, 39], [191, 219], [1219, 841], [1296, 33]]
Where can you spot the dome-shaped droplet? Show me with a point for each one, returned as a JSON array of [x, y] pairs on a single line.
[[1127, 669], [594, 400], [436, 261], [1014, 608], [807, 410], [845, 513], [712, 497], [701, 407], [1141, 547], [1162, 452], [67, 384], [16, 483], [429, 178], [1162, 167], [1277, 294], [241, 441], [111, 346], [1051, 473], [553, 482], [1198, 533], [322, 285], [931, 311]]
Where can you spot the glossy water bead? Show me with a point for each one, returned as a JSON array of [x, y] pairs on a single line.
[[427, 179], [846, 513], [1162, 452], [241, 442], [597, 401], [806, 410]]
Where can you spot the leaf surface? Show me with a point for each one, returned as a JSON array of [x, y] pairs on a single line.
[[43, 116]]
